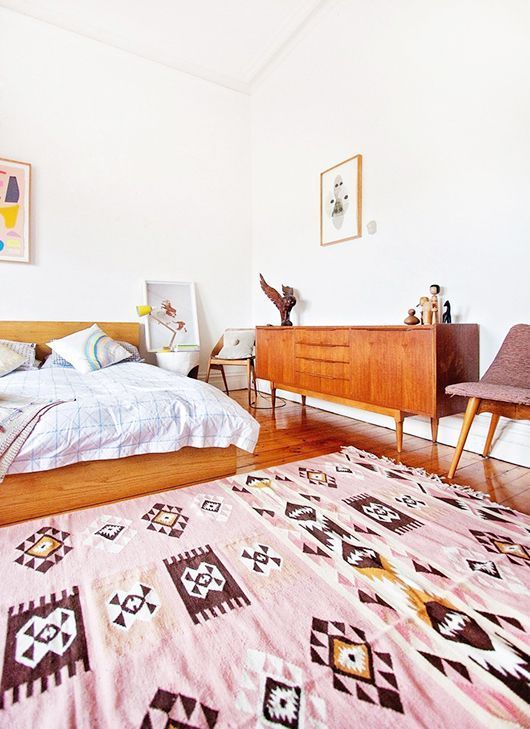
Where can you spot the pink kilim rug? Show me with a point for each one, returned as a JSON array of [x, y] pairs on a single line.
[[342, 591]]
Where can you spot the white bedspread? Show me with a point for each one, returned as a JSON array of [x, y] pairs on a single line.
[[124, 410]]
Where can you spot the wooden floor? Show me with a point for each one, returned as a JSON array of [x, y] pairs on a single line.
[[296, 433]]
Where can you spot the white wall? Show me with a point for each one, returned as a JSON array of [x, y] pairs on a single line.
[[435, 96], [139, 172]]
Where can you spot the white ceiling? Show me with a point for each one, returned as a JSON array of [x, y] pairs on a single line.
[[230, 42]]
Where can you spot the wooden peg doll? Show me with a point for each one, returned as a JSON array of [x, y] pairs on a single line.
[[436, 317], [426, 311]]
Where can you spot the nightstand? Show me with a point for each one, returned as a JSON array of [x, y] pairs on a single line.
[[181, 363]]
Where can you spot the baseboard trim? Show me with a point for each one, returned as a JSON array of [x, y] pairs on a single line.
[[512, 439]]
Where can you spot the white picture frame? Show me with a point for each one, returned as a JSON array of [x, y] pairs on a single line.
[[181, 295], [341, 201]]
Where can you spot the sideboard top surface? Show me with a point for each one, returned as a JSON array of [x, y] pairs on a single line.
[[403, 327]]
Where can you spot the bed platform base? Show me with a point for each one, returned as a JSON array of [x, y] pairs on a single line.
[[26, 496]]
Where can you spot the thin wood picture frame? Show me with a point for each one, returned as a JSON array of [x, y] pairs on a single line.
[[341, 196], [15, 209]]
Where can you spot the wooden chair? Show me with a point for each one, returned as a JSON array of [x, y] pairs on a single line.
[[503, 390], [219, 363]]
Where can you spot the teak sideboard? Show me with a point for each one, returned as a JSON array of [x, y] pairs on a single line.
[[393, 370]]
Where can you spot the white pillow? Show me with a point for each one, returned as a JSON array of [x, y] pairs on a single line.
[[90, 349], [237, 344], [9, 360]]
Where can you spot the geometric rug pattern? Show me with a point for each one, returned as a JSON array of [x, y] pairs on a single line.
[[344, 590]]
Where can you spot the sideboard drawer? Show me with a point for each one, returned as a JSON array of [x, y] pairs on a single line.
[[340, 370], [325, 385], [327, 352], [329, 337]]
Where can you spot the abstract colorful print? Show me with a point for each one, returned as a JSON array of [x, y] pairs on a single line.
[[345, 590]]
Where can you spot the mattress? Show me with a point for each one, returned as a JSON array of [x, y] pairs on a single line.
[[124, 410]]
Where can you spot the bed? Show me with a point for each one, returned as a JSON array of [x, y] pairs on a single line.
[[122, 431]]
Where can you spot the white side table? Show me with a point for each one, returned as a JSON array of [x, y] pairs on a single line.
[[181, 363]]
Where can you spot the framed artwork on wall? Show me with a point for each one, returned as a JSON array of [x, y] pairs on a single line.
[[15, 182], [341, 201], [173, 310]]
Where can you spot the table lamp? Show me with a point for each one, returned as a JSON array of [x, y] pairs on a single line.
[[146, 310]]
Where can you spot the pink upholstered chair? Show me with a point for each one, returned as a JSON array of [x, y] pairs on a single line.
[[504, 389]]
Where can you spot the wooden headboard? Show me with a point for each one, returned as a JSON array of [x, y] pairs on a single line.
[[42, 331]]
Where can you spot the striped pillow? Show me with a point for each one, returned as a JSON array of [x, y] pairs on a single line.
[[88, 350], [26, 349]]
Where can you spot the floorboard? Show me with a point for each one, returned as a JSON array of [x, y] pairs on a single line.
[[296, 433]]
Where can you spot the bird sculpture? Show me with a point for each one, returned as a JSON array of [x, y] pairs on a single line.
[[284, 303]]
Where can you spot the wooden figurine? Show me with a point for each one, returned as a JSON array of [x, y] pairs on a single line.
[[284, 303], [435, 304], [426, 311], [411, 319], [447, 313]]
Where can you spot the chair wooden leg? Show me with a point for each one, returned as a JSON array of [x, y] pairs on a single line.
[[253, 367], [471, 411], [208, 371], [273, 397], [399, 432], [491, 432], [249, 381], [434, 429], [303, 401], [224, 379]]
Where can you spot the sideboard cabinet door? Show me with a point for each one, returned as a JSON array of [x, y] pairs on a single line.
[[393, 368], [275, 355]]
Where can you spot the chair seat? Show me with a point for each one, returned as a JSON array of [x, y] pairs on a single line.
[[224, 361], [489, 391]]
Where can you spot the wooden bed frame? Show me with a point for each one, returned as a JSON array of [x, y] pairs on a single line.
[[30, 495]]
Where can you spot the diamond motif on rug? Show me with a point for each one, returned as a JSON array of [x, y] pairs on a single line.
[[318, 478], [274, 693], [410, 501], [199, 582], [212, 507], [261, 558], [515, 552], [166, 519], [357, 669], [109, 533], [382, 513], [44, 548], [139, 602], [281, 703]]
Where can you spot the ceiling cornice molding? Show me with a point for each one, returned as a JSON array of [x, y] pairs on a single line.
[[283, 40], [282, 37], [189, 69]]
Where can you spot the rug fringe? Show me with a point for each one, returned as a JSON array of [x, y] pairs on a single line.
[[420, 473]]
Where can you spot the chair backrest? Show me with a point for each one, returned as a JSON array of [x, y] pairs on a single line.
[[511, 366], [220, 344]]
